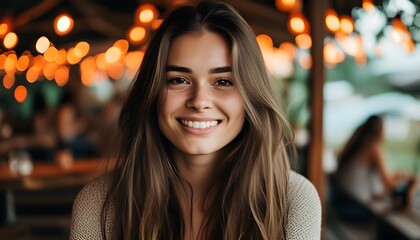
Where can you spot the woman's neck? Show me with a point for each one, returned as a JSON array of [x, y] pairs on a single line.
[[200, 172]]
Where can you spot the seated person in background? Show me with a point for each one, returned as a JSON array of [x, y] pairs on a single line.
[[362, 170], [42, 142], [71, 129], [39, 140]]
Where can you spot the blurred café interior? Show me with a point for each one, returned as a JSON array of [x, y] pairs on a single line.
[[65, 66]]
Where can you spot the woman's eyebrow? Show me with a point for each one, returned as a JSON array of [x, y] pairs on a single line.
[[221, 69], [176, 68]]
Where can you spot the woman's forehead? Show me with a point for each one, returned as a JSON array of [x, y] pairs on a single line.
[[197, 49]]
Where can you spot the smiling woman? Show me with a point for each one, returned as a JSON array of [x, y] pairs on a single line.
[[200, 110], [205, 149]]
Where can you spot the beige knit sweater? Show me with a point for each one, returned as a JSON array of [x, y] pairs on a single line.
[[304, 217]]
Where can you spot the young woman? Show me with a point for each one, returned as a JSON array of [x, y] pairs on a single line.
[[204, 146], [362, 168]]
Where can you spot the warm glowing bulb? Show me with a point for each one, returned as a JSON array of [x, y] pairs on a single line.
[[73, 56], [8, 80], [298, 24], [62, 75], [285, 5], [122, 44], [32, 74], [42, 44], [61, 57], [137, 34], [346, 24], [112, 55], [20, 93], [146, 13], [146, 16], [88, 63], [63, 24], [133, 59], [289, 49], [50, 54], [303, 41], [265, 41], [88, 76], [332, 54], [10, 40], [4, 28], [10, 63], [83, 48], [368, 5], [49, 70], [331, 20], [22, 63]]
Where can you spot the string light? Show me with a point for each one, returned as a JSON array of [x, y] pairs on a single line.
[[297, 23], [137, 34], [10, 63], [50, 54], [303, 41], [22, 63], [62, 75], [32, 74], [4, 28], [286, 5], [42, 44], [346, 24], [63, 24], [20, 93], [331, 20], [146, 13], [368, 5], [10, 40], [8, 80], [264, 41], [112, 55]]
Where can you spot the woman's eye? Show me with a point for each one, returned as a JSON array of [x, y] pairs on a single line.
[[224, 82], [178, 80]]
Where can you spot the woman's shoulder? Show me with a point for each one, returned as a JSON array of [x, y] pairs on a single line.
[[301, 188], [304, 209], [86, 220]]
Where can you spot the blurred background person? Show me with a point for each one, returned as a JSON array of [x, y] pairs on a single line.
[[71, 129], [38, 139], [362, 172]]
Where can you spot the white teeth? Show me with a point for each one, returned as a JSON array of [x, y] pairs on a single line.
[[200, 125]]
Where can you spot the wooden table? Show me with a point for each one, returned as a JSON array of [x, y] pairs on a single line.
[[395, 223], [389, 222], [47, 176], [406, 222]]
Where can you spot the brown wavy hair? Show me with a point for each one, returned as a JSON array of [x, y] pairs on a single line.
[[251, 187]]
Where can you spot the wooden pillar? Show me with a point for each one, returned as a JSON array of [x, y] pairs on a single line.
[[316, 15]]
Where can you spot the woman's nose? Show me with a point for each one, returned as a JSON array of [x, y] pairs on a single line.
[[200, 98]]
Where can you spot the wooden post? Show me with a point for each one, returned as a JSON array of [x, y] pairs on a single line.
[[316, 16]]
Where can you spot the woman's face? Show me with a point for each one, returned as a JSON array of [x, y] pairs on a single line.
[[200, 110]]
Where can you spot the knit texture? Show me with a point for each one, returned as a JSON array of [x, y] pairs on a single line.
[[303, 221]]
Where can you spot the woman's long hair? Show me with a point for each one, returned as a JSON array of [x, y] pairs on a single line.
[[363, 137], [250, 189]]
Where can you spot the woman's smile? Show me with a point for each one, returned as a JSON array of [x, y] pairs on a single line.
[[199, 124]]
